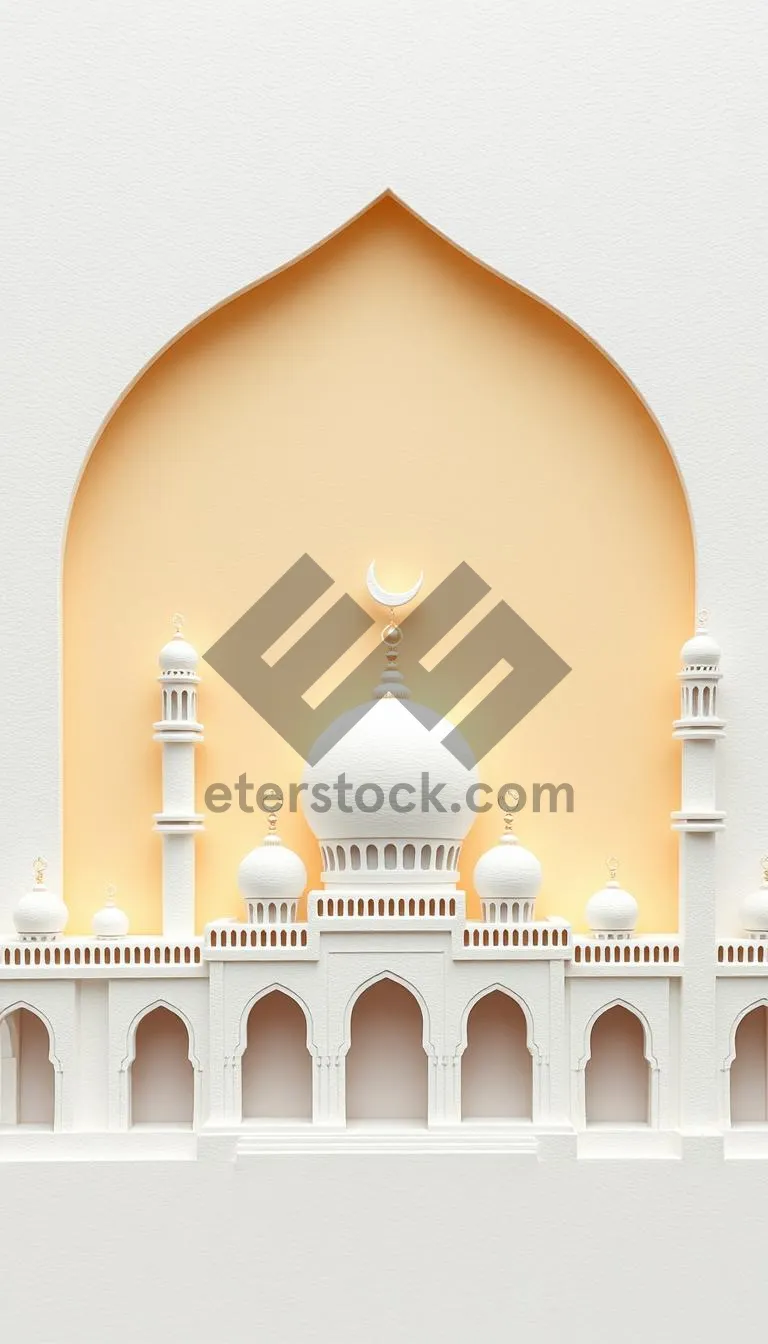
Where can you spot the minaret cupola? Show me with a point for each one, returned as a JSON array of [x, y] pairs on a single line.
[[179, 732]]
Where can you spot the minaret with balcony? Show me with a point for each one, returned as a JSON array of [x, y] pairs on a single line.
[[697, 822], [179, 732]]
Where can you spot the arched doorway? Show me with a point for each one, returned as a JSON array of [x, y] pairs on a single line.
[[276, 1065], [496, 1067], [617, 1083], [749, 1070], [27, 1079], [386, 1073], [162, 1077]]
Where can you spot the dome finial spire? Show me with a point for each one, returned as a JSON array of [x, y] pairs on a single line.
[[391, 686], [177, 621]]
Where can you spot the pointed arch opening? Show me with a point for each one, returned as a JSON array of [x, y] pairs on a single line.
[[386, 1065], [617, 1087], [749, 1069], [496, 1066], [27, 1077], [276, 1063], [386, 303], [162, 1082]]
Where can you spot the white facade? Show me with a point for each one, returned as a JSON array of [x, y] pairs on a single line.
[[610, 1044], [608, 158]]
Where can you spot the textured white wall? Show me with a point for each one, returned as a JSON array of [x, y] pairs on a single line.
[[159, 157]]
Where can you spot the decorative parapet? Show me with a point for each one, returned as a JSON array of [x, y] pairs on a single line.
[[136, 957], [656, 955], [85, 958], [260, 942], [539, 941], [368, 907], [742, 956]]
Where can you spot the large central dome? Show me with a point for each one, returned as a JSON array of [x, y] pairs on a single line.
[[387, 800]]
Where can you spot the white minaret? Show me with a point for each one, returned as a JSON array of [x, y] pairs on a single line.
[[698, 820], [178, 823]]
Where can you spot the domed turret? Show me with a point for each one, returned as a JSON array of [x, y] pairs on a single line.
[[612, 912], [179, 732], [387, 801], [699, 677], [177, 658], [699, 728], [40, 914], [110, 921], [271, 880], [702, 649], [754, 908], [179, 680], [507, 879]]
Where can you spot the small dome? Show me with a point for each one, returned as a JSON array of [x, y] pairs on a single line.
[[110, 921], [40, 913], [508, 872], [178, 655], [612, 910], [754, 907], [702, 650], [271, 872]]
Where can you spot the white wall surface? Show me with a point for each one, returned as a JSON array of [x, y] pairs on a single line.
[[302, 1250], [156, 158]]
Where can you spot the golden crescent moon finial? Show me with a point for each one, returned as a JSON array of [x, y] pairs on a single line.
[[177, 620]]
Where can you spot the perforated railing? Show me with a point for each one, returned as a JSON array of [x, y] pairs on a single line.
[[742, 952], [629, 953], [275, 936], [385, 907], [494, 935], [97, 954]]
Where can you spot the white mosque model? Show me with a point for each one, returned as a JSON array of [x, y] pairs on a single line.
[[387, 1010]]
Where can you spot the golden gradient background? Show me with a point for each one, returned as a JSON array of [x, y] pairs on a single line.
[[385, 397]]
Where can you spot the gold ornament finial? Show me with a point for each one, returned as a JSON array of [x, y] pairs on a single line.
[[764, 865], [391, 637], [38, 868], [514, 794], [613, 867], [509, 818], [111, 893], [272, 802], [702, 618], [177, 621]]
